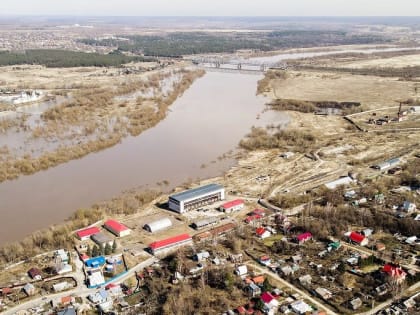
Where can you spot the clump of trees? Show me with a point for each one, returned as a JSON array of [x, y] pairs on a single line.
[[260, 138], [53, 58]]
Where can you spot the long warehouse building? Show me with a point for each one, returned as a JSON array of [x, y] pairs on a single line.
[[196, 198]]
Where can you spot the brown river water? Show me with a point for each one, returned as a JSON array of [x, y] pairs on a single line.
[[207, 121]]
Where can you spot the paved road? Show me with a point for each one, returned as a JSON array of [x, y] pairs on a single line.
[[285, 283], [80, 290]]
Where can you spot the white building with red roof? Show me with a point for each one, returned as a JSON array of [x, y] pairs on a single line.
[[85, 234], [170, 243], [117, 228], [358, 238], [231, 206], [395, 272], [262, 232]]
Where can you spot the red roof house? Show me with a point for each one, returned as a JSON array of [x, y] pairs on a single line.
[[302, 238], [395, 272], [84, 234], [358, 238], [169, 243], [117, 228], [262, 232], [241, 310], [252, 217], [233, 205], [269, 300]]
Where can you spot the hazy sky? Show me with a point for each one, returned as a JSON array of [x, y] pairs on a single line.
[[212, 7]]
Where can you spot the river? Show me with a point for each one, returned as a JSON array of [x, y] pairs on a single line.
[[203, 124], [207, 121]]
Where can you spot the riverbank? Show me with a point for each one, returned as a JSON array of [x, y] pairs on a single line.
[[140, 118]]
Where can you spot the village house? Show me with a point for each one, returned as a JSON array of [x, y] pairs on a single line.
[[262, 233], [241, 270], [270, 302], [35, 274], [305, 280], [409, 207], [300, 307], [98, 297], [323, 293], [86, 233], [395, 272], [253, 290], [357, 238], [304, 237], [355, 303], [29, 289], [117, 228]]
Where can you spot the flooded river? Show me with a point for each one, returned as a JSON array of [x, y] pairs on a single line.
[[203, 124]]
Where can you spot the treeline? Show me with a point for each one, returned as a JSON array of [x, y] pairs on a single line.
[[260, 139], [53, 58], [178, 44], [310, 106]]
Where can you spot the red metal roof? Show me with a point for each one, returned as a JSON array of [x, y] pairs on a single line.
[[251, 218], [356, 237], [304, 236], [115, 225], [169, 241], [267, 297], [233, 203], [241, 310], [88, 232], [393, 271], [260, 231]]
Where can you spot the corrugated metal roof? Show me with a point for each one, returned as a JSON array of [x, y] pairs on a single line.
[[87, 232], [233, 203], [207, 221], [115, 225], [196, 192], [158, 225], [169, 241]]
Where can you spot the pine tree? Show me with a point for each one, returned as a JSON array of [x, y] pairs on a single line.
[[89, 251], [114, 246], [108, 249], [95, 251]]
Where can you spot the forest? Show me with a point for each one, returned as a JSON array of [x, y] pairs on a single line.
[[181, 43], [52, 58]]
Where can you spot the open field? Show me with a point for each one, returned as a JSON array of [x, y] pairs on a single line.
[[393, 62], [371, 91]]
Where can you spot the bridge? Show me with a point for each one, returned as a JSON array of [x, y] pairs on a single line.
[[237, 65]]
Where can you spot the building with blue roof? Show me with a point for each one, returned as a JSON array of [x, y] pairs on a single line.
[[95, 262], [197, 197]]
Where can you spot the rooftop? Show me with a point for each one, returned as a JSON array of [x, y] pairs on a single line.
[[195, 192], [169, 241], [88, 232], [115, 225]]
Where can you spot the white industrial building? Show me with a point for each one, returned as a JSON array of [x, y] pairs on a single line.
[[196, 198], [158, 225]]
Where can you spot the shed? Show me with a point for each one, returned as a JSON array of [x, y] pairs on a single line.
[[241, 270], [29, 289], [205, 222], [158, 225], [35, 273], [201, 256], [102, 239]]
